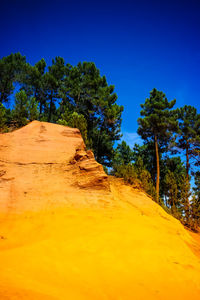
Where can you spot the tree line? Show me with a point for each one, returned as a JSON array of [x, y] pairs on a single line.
[[78, 96], [168, 159]]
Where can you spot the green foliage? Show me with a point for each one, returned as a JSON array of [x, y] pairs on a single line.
[[195, 203], [136, 177], [123, 154], [89, 95], [53, 81], [158, 119], [185, 194], [197, 184], [33, 112], [171, 189], [26, 109], [146, 153], [2, 118], [133, 173], [20, 112], [195, 212], [34, 84], [196, 143], [127, 172], [157, 126], [145, 178], [80, 89], [11, 67], [175, 167], [75, 120], [188, 133]]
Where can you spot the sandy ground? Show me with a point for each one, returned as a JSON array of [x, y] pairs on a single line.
[[75, 242]]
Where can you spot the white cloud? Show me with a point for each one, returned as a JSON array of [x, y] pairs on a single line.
[[131, 138]]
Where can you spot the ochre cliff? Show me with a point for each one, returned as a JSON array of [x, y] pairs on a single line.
[[69, 231], [43, 165]]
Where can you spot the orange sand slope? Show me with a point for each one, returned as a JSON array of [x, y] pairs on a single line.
[[67, 231]]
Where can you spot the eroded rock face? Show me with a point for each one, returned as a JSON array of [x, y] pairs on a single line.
[[88, 172], [42, 164]]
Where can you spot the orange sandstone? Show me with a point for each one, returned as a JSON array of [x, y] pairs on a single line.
[[68, 231]]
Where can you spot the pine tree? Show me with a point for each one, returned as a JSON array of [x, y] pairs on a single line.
[[20, 112], [2, 117], [185, 194], [34, 84], [195, 212], [172, 193], [146, 152], [175, 166], [135, 172], [11, 67], [75, 120], [53, 80], [197, 184], [88, 93], [195, 205], [196, 143], [123, 154], [188, 134], [157, 125], [33, 112]]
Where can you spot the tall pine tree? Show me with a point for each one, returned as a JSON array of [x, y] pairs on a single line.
[[188, 135], [157, 125]]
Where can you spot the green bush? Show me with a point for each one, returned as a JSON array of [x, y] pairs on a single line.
[[75, 120]]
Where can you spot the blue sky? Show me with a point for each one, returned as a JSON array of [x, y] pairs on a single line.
[[138, 45]]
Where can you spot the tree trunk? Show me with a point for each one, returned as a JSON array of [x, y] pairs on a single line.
[[157, 169]]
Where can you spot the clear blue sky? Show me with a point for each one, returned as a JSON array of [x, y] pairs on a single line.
[[138, 45]]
